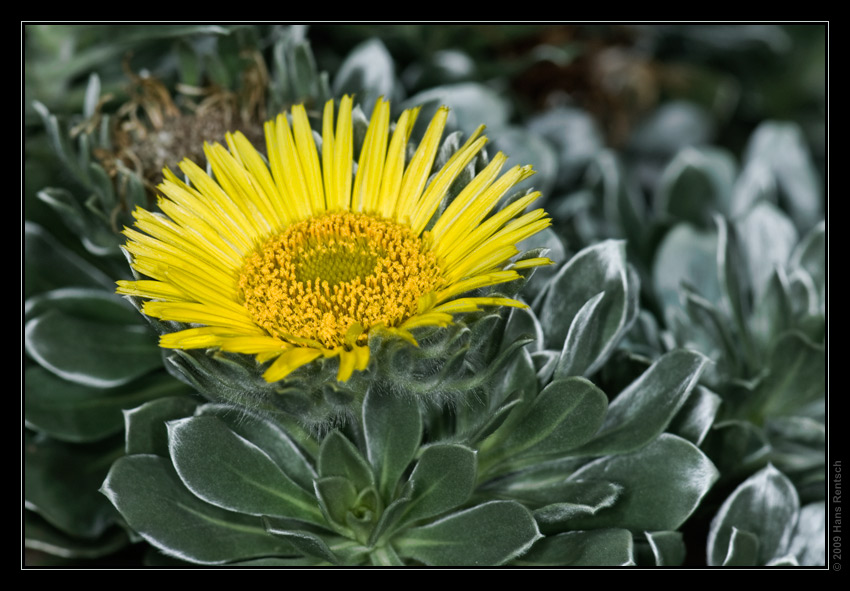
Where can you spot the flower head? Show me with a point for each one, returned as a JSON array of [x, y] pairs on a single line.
[[310, 255]]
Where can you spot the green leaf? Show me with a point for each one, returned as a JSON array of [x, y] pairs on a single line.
[[743, 549], [604, 547], [471, 105], [695, 418], [444, 478], [76, 413], [576, 500], [766, 506], [305, 541], [596, 269], [808, 540], [40, 535], [773, 314], [337, 497], [662, 484], [224, 469], [810, 255], [797, 376], [783, 148], [668, 547], [146, 424], [269, 437], [61, 482], [94, 354], [644, 409], [736, 446], [49, 265], [368, 72], [485, 535], [696, 184], [755, 184], [392, 427], [339, 457], [767, 239], [565, 414], [685, 255], [152, 499]]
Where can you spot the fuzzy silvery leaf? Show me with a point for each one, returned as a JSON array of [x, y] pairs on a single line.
[[570, 502], [782, 147], [810, 254], [471, 104], [155, 503], [224, 469], [596, 269], [644, 409], [444, 478], [369, 72], [766, 506], [393, 431], [269, 437], [339, 457], [563, 416], [686, 255], [695, 185], [808, 540], [602, 547], [662, 483], [767, 239], [485, 535]]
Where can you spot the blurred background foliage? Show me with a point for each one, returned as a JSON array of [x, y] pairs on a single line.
[[702, 146]]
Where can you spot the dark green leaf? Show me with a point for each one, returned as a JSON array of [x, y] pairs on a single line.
[[604, 547], [743, 549], [337, 497], [766, 506], [565, 414], [145, 424], [61, 482], [696, 416], [644, 409], [392, 427], [49, 265], [269, 437], [76, 413], [305, 541], [40, 535], [228, 471], [444, 477], [686, 255], [662, 484], [576, 500], [156, 504], [797, 376], [668, 548], [596, 269], [91, 353], [695, 185], [485, 535], [339, 457]]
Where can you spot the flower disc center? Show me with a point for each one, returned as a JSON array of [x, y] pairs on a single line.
[[320, 277]]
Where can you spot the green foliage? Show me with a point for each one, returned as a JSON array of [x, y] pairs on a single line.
[[661, 402]]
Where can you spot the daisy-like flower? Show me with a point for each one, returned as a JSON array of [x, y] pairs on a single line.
[[305, 258]]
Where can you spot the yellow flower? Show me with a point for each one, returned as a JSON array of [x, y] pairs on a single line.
[[304, 258]]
